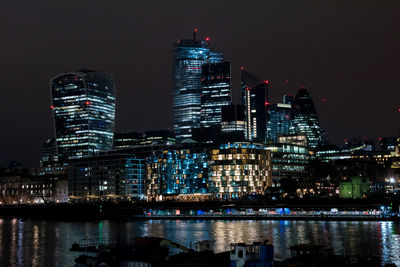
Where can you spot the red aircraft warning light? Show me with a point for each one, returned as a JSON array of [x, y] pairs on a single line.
[[52, 107], [266, 81], [242, 68], [88, 103], [207, 39]]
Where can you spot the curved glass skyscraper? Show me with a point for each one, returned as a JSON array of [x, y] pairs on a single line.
[[305, 118], [188, 58], [83, 105]]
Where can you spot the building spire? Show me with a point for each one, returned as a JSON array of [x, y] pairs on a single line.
[[194, 34]]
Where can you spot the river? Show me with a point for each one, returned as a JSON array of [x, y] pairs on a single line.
[[47, 243]]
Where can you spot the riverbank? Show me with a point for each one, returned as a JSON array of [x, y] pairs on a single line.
[[201, 211]]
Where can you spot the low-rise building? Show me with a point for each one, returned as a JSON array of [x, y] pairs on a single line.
[[354, 187], [33, 190], [108, 175], [176, 171], [239, 169]]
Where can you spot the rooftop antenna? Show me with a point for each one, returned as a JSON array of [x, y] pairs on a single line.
[[194, 34]]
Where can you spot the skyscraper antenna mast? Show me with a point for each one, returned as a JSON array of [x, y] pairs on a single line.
[[194, 34]]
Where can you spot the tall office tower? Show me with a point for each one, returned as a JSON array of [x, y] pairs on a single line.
[[305, 118], [83, 104], [279, 121], [188, 58], [255, 100], [233, 123], [288, 99], [216, 92]]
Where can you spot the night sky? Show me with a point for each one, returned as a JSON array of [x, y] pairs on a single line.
[[346, 52]]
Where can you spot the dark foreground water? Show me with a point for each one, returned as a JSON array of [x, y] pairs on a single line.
[[47, 243]]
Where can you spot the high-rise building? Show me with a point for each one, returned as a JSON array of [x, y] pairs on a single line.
[[188, 58], [279, 121], [83, 104], [216, 92], [158, 137], [127, 140], [305, 118], [288, 99], [255, 100], [233, 123]]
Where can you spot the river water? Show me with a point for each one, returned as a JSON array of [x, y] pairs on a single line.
[[47, 243]]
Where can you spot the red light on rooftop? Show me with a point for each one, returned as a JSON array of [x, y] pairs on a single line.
[[88, 103], [380, 138], [398, 110], [286, 81], [52, 107], [323, 100], [267, 103], [242, 68], [247, 88], [266, 81], [207, 39], [195, 30]]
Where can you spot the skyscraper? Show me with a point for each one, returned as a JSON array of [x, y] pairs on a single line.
[[83, 104], [255, 100], [279, 121], [305, 118], [233, 123], [188, 58], [216, 91]]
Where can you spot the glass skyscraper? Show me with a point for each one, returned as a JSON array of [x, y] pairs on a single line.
[[216, 91], [188, 58], [279, 121], [305, 118], [254, 97], [233, 124], [83, 105]]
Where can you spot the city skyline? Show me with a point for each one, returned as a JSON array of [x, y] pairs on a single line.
[[353, 69]]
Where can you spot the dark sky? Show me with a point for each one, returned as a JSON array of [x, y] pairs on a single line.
[[345, 51]]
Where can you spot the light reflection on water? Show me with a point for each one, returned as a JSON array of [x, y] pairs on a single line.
[[46, 243]]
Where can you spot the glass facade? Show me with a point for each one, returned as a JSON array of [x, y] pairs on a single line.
[[127, 140], [233, 124], [188, 58], [83, 105], [288, 162], [305, 119], [279, 121], [177, 171], [216, 92], [238, 169], [108, 176], [254, 97]]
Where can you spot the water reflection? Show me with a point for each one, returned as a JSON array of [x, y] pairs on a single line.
[[41, 243]]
